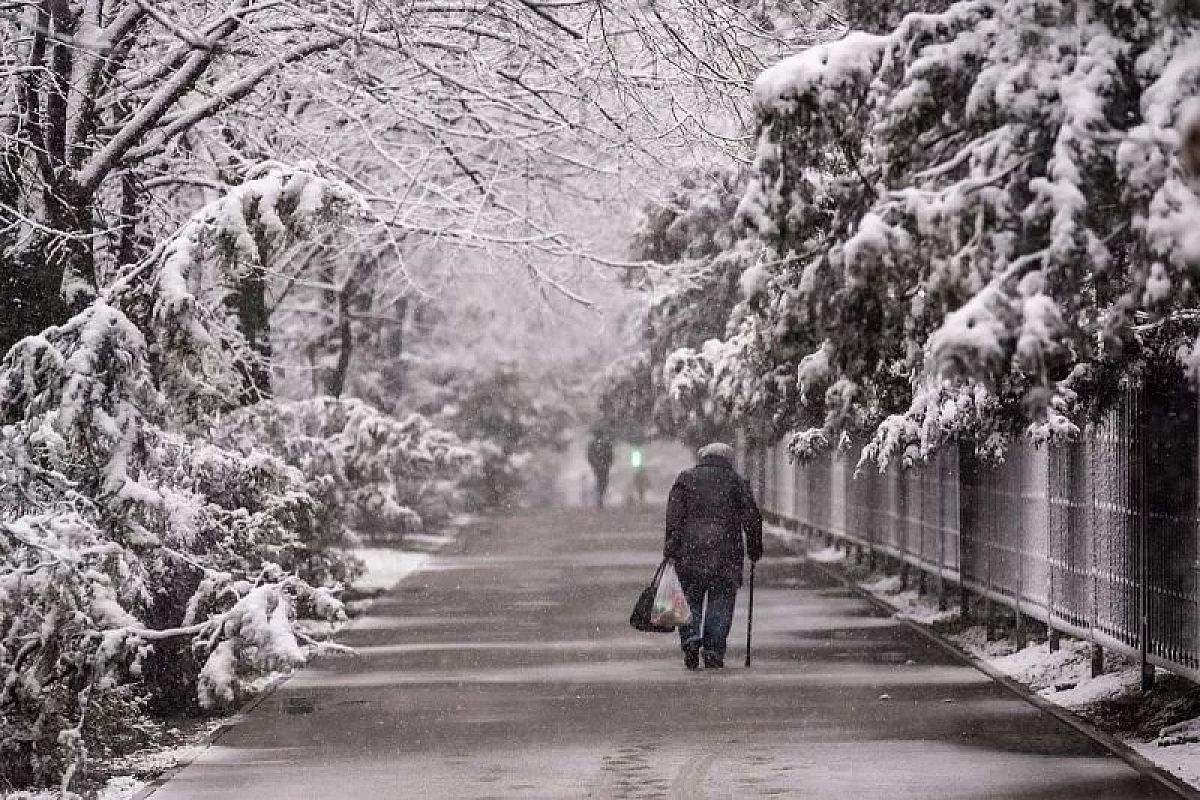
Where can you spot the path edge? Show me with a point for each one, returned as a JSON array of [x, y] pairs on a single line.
[[1134, 759], [474, 524]]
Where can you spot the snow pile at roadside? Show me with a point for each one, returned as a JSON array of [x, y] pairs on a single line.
[[913, 606], [827, 555], [884, 587], [1063, 677], [121, 788], [784, 534], [387, 566], [1183, 760], [1092, 690], [1058, 675], [910, 604]]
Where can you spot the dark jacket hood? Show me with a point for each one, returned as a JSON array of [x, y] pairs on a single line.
[[712, 460]]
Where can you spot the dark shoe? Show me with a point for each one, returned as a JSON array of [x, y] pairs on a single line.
[[712, 661], [691, 658]]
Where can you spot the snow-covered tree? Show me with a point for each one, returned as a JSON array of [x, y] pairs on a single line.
[[703, 251], [979, 224], [502, 418], [139, 561], [441, 115]]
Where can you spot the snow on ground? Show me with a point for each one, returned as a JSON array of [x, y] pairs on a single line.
[[911, 605], [974, 640], [1063, 677], [883, 587], [120, 788], [828, 555], [388, 566], [139, 768], [1183, 759], [785, 535], [1092, 690], [908, 603]]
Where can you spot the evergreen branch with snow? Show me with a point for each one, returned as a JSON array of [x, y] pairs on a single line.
[[990, 195]]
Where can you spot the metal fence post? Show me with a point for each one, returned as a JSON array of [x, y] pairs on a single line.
[[1093, 575], [1023, 467], [941, 529], [1097, 660], [966, 507], [1138, 490]]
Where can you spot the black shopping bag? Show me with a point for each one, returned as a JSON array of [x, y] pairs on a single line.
[[640, 618]]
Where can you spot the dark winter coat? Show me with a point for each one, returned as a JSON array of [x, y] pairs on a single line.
[[709, 511], [600, 455]]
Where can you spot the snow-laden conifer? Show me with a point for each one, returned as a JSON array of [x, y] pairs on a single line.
[[979, 223], [142, 558]]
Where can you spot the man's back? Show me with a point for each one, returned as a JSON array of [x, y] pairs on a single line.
[[709, 510]]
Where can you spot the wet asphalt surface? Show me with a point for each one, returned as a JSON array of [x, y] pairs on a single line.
[[508, 670]]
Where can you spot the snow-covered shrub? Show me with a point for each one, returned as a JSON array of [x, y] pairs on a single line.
[[118, 535], [980, 219], [140, 564], [369, 471]]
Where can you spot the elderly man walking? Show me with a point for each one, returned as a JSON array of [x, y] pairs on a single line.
[[709, 512]]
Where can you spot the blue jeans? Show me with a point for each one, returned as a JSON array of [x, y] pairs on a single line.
[[711, 621]]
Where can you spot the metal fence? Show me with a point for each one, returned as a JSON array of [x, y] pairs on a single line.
[[1097, 539]]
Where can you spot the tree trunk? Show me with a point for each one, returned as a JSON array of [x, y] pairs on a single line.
[[335, 382], [30, 296], [254, 320], [32, 276], [131, 244]]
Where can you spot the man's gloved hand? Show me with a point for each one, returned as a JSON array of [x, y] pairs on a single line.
[[755, 554]]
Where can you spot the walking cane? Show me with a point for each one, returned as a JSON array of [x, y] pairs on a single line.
[[750, 616]]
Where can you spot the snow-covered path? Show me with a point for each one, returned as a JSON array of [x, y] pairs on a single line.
[[507, 670]]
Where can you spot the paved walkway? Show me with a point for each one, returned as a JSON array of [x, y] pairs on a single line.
[[507, 670]]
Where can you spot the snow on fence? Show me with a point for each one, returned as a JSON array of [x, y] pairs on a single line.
[[1098, 539]]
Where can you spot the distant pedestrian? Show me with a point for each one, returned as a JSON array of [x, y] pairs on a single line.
[[600, 458], [713, 523]]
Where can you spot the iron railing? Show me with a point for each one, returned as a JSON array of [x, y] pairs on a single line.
[[1098, 539]]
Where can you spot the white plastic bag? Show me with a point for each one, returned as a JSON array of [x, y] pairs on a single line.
[[670, 603]]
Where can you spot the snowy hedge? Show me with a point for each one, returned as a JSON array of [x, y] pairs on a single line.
[[979, 223], [370, 472], [153, 553], [119, 534]]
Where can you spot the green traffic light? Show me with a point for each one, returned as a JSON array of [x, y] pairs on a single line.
[[635, 458]]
